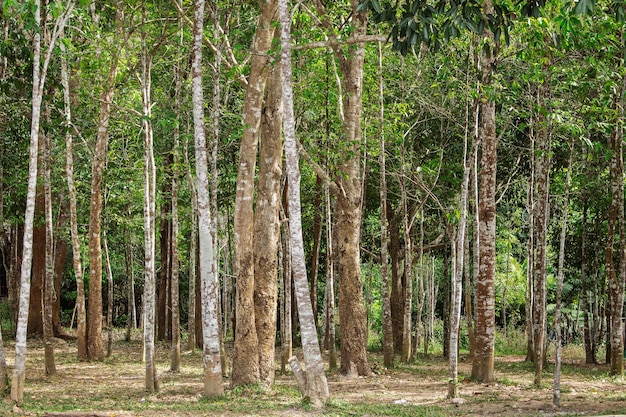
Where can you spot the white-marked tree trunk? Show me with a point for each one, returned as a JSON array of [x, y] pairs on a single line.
[[316, 384], [149, 214], [208, 275], [39, 78]]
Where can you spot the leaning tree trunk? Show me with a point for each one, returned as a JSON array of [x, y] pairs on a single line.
[[39, 78], [209, 280], [245, 354], [484, 336], [316, 386], [267, 228], [388, 352]]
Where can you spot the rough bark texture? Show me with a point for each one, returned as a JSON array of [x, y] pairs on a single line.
[[349, 200], [388, 352], [208, 275], [267, 227], [245, 354], [48, 287], [316, 384], [541, 215], [483, 360], [95, 349]]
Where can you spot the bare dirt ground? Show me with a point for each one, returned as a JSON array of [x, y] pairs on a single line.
[[114, 387]]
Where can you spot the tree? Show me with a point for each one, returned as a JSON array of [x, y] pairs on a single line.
[[39, 79], [245, 357], [315, 386], [208, 275]]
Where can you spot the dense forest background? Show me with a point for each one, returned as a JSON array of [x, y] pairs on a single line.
[[398, 115]]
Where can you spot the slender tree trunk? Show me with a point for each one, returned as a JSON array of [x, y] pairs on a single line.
[[208, 275], [39, 77], [408, 268], [458, 259], [175, 350], [267, 227], [287, 342], [48, 284], [95, 350], [151, 379], [132, 310], [556, 397], [483, 361], [330, 286], [109, 296], [618, 278], [317, 240], [584, 296], [542, 215], [388, 352], [530, 251], [193, 255], [245, 355], [81, 332], [316, 385]]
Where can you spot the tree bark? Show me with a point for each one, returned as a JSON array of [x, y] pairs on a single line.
[[95, 349], [483, 361], [408, 269], [48, 283], [388, 352], [209, 280], [542, 216], [556, 397], [151, 379], [267, 227], [39, 78], [193, 256], [109, 296], [316, 384], [245, 354]]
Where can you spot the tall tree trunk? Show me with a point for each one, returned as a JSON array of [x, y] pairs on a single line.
[[48, 284], [458, 259], [208, 275], [267, 227], [81, 332], [556, 397], [316, 385], [530, 255], [193, 255], [109, 296], [397, 292], [483, 361], [245, 354], [286, 339], [542, 216], [349, 200], [95, 349], [584, 296], [151, 379], [130, 275], [408, 268], [38, 275], [388, 352], [330, 286], [39, 78], [317, 240]]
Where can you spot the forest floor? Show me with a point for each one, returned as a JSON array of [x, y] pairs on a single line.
[[114, 388]]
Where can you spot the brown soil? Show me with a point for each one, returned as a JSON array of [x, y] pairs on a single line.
[[117, 384]]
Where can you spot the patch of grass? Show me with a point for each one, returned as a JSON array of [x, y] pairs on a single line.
[[342, 408]]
